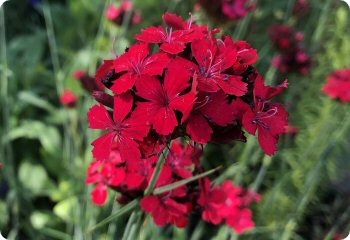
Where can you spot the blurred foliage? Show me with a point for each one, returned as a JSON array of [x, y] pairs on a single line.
[[45, 148]]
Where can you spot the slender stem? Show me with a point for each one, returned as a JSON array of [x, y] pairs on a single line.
[[259, 179], [5, 147], [321, 23], [289, 10], [127, 208], [100, 31], [53, 47], [243, 25], [129, 225], [157, 172], [135, 228]]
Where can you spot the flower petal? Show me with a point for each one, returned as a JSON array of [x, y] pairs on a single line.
[[165, 121], [124, 83], [122, 106], [99, 118], [199, 129], [151, 35], [233, 85], [99, 194], [102, 146]]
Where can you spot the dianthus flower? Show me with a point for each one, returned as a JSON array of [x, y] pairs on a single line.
[[338, 85], [193, 88], [104, 174], [227, 203], [226, 10], [293, 56], [123, 131], [116, 14], [301, 7]]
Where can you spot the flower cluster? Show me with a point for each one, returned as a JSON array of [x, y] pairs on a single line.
[[226, 10], [338, 85], [180, 81], [293, 56], [217, 204], [116, 14]]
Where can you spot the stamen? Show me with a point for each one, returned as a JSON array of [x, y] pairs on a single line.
[[269, 113], [191, 20], [203, 103], [169, 32]]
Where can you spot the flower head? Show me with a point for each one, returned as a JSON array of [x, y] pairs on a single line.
[[68, 98], [338, 85]]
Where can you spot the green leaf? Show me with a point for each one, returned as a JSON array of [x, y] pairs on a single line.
[[39, 219], [34, 178], [47, 135], [65, 209], [4, 214], [125, 209], [33, 99]]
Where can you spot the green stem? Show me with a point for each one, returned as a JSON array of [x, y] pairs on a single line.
[[244, 160], [241, 29], [262, 171], [135, 228], [316, 37], [53, 46], [127, 208], [5, 147], [157, 172], [129, 225], [289, 11]]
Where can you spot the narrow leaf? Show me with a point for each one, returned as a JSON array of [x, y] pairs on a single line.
[[125, 209], [177, 184]]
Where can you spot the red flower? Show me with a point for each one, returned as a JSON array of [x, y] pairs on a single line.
[[301, 7], [139, 172], [213, 60], [226, 10], [209, 108], [68, 98], [246, 55], [105, 74], [269, 119], [116, 14], [104, 174], [236, 208], [338, 85], [182, 159], [227, 202], [173, 39], [134, 64], [164, 99], [235, 9], [167, 208], [283, 37], [298, 60], [123, 131], [293, 56], [212, 200]]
